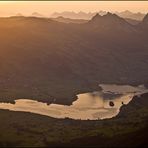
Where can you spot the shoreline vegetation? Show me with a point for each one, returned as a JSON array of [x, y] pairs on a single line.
[[51, 99]]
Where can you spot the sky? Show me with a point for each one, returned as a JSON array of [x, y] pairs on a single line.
[[46, 8]]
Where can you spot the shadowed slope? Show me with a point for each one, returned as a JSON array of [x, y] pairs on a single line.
[[43, 59]]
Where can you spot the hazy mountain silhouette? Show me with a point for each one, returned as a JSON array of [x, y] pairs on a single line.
[[36, 14], [45, 59], [19, 14], [69, 20], [79, 21], [74, 15], [131, 15], [132, 21], [87, 16], [109, 21]]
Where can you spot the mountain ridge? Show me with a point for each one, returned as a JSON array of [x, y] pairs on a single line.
[[89, 15]]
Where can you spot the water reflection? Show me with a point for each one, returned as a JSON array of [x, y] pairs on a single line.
[[96, 105]]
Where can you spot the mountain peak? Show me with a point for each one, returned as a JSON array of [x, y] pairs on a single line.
[[107, 17], [111, 15], [145, 19], [127, 12], [96, 17], [109, 21], [108, 14], [36, 14]]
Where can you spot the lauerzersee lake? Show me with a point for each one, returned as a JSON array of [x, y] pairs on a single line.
[[92, 105]]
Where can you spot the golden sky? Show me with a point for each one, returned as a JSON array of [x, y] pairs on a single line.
[[48, 7]]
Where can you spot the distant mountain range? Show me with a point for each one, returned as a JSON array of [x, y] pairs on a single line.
[[36, 14], [131, 15], [81, 21], [69, 20], [88, 16], [47, 60]]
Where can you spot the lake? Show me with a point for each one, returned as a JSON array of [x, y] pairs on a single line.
[[92, 105]]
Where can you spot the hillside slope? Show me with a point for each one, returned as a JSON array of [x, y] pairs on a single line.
[[43, 59]]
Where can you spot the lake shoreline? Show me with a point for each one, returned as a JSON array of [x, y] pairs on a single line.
[[93, 106]]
